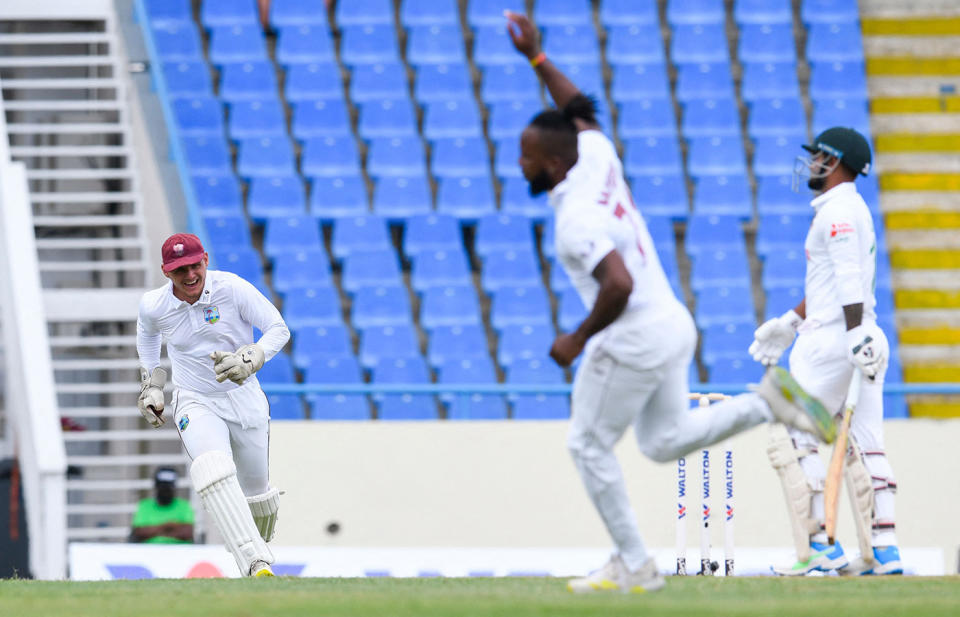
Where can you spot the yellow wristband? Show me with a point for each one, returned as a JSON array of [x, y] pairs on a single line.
[[538, 59]]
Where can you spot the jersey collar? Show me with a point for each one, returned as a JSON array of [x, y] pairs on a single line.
[[205, 298], [844, 188]]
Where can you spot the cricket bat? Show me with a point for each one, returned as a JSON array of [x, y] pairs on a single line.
[[831, 489]]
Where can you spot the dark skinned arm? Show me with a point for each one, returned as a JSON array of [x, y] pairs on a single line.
[[180, 531], [853, 315], [801, 309], [616, 285]]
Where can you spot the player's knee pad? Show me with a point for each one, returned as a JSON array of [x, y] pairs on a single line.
[[860, 490], [264, 508], [884, 488], [797, 489]]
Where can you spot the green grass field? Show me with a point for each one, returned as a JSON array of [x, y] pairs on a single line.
[[516, 597]]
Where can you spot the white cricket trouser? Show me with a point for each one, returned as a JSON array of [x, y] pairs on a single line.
[[820, 364], [200, 420], [608, 396]]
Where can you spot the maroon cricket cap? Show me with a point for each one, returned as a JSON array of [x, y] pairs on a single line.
[[181, 250]]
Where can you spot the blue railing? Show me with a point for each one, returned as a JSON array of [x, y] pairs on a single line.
[[159, 81]]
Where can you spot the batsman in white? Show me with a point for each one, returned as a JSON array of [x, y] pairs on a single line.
[[838, 334], [638, 340], [206, 317]]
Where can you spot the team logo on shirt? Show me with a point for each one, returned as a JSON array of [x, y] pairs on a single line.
[[837, 229], [211, 314], [184, 421]]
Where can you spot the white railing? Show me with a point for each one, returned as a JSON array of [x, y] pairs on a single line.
[[30, 393]]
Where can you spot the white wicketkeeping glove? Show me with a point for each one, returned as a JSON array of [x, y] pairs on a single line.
[[237, 366], [773, 337], [150, 402], [865, 352]]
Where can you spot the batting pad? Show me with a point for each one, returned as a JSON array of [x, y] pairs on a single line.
[[214, 478], [264, 508], [785, 459]]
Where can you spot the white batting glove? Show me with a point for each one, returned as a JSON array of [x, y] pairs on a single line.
[[773, 337], [237, 366], [150, 402], [865, 352]]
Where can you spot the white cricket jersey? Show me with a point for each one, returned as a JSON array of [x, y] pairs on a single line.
[[221, 320], [841, 250], [596, 214]]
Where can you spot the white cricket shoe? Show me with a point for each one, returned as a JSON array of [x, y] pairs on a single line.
[[793, 406], [614, 576], [260, 569]]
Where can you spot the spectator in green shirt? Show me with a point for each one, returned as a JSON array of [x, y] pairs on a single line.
[[164, 519]]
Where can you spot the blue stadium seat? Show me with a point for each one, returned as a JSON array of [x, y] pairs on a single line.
[[237, 44], [241, 81], [302, 269], [450, 306], [724, 305], [228, 231], [369, 44], [508, 119], [187, 79], [767, 43], [714, 232], [431, 232], [562, 12], [635, 44], [571, 311], [506, 83], [841, 112], [435, 44], [730, 340], [452, 342], [588, 77], [646, 118], [312, 307], [710, 117], [359, 234], [330, 157], [492, 45], [520, 306], [199, 117], [716, 156], [661, 232], [452, 119], [699, 43], [265, 156], [304, 44], [380, 306], [276, 196], [313, 81], [401, 370], [681, 12], [653, 156], [628, 12], [285, 407], [370, 268], [361, 12], [704, 81], [541, 407], [490, 12], [778, 232], [337, 197], [396, 156], [537, 371], [178, 42], [572, 43], [297, 13], [661, 195], [775, 195], [838, 80], [400, 197], [638, 82], [510, 268], [261, 118], [503, 232], [473, 370], [339, 407], [723, 195], [218, 196], [834, 42], [517, 343], [775, 156], [407, 407], [559, 280], [244, 262], [829, 11], [387, 342], [169, 12], [769, 80], [477, 407], [325, 119], [429, 12], [440, 268], [762, 12], [506, 158], [207, 156], [373, 82], [442, 82], [782, 299], [312, 345], [460, 157], [516, 199], [214, 13], [388, 118], [784, 268], [465, 198], [777, 118], [291, 234], [720, 268], [735, 370]]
